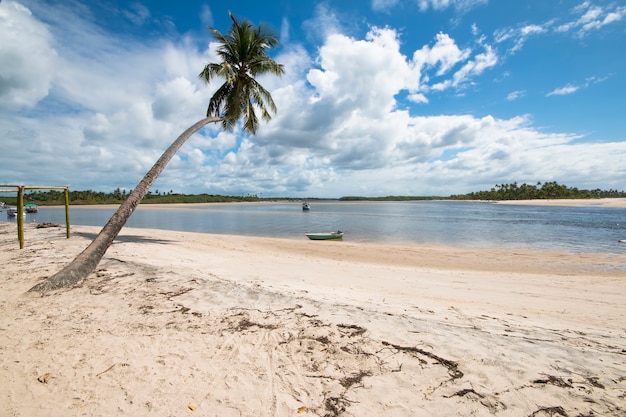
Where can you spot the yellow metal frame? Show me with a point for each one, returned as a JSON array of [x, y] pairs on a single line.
[[19, 189]]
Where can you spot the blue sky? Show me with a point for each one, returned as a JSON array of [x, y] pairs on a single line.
[[379, 97]]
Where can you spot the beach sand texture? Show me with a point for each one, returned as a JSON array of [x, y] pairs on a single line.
[[175, 324]]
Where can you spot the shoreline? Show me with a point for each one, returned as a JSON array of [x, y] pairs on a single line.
[[599, 202], [174, 322], [420, 255]]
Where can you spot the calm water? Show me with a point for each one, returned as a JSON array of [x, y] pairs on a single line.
[[464, 224]]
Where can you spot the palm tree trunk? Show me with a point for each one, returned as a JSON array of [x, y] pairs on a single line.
[[85, 263]]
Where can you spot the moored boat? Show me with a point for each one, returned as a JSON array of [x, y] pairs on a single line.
[[306, 206], [11, 211], [325, 235], [31, 208]]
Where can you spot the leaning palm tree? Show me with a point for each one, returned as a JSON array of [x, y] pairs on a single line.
[[243, 55]]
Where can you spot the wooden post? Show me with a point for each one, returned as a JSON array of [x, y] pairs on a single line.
[[67, 211], [20, 215]]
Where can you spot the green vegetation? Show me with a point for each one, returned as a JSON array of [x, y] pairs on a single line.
[[391, 198], [89, 197], [547, 190]]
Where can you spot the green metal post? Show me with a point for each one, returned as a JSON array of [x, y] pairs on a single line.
[[20, 215], [67, 211]]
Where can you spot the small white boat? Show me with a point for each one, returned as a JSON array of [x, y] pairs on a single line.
[[622, 241], [11, 211], [325, 235], [306, 206]]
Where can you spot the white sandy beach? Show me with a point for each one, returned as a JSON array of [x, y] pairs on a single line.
[[176, 324]]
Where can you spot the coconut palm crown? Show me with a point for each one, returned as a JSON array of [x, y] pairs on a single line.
[[243, 56]]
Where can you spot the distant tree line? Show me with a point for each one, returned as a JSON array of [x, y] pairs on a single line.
[[514, 191], [90, 197], [390, 198], [547, 190]]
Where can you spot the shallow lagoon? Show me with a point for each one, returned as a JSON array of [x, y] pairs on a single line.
[[454, 223]]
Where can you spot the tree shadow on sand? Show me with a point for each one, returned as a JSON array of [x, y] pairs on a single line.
[[126, 238]]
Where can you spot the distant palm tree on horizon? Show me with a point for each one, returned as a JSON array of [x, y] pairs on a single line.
[[243, 54]]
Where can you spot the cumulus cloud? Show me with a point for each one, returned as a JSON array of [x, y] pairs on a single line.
[[382, 72], [27, 55], [175, 98], [110, 104], [445, 53], [343, 127]]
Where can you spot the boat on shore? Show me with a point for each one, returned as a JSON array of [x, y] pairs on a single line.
[[325, 235]]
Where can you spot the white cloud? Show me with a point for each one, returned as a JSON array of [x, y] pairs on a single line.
[[323, 24], [138, 14], [520, 35], [514, 95], [383, 5], [532, 29], [460, 5], [470, 69], [482, 62], [27, 57], [588, 17], [445, 53], [591, 17], [112, 88], [206, 15], [176, 98], [568, 89], [382, 72], [341, 127], [284, 31]]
